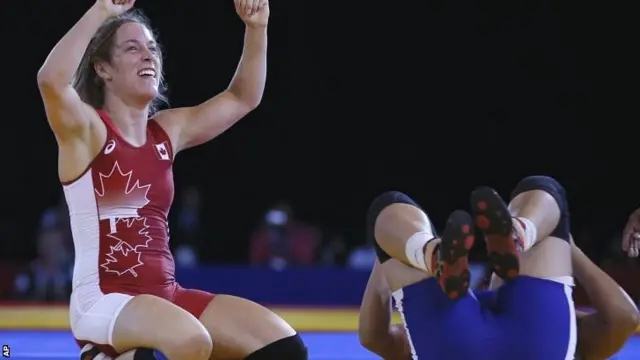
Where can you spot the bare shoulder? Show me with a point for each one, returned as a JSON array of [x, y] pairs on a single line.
[[173, 116], [172, 120]]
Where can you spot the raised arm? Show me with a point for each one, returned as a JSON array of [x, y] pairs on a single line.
[[192, 126], [376, 332], [603, 333], [67, 114]]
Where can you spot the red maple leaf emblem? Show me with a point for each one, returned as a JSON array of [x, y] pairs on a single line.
[[119, 196], [124, 257]]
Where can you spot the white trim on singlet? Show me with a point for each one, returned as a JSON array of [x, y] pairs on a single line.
[[85, 228], [398, 296], [573, 327], [568, 283]]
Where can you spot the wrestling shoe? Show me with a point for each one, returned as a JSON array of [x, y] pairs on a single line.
[[502, 235], [453, 265], [89, 352]]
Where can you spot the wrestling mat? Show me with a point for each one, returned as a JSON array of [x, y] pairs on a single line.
[[41, 332]]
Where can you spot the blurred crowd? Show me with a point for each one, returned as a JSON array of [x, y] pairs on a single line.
[[279, 240]]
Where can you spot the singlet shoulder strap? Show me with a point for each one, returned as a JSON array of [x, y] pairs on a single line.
[[107, 120], [160, 135]]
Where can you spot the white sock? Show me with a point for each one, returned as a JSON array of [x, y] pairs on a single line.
[[417, 246], [432, 245], [526, 232]]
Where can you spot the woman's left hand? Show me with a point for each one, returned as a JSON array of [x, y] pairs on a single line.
[[255, 13]]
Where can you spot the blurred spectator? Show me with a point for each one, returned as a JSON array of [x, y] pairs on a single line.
[[281, 240], [362, 257], [57, 217], [187, 228], [48, 277], [334, 252]]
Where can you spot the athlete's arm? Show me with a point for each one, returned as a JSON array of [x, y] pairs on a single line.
[[67, 114], [188, 127], [603, 333], [376, 332]]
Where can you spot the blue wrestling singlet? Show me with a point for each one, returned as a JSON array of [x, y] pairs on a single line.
[[526, 319]]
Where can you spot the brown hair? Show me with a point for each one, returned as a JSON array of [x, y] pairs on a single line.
[[87, 83]]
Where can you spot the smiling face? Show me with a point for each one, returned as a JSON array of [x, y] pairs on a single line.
[[112, 64], [134, 70]]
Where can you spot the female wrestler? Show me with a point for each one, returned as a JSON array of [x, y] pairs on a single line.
[[100, 85]]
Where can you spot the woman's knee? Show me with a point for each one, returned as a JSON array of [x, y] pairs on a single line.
[[194, 343], [240, 327], [555, 191], [189, 340], [543, 183], [380, 203], [152, 322]]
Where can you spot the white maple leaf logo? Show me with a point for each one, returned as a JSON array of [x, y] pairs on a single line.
[[123, 257], [119, 199], [119, 196]]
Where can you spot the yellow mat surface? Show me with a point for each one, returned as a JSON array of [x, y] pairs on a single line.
[[57, 317]]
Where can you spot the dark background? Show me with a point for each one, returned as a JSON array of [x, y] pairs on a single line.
[[431, 98]]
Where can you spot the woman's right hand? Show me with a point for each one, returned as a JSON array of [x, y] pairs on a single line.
[[631, 235], [115, 7]]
